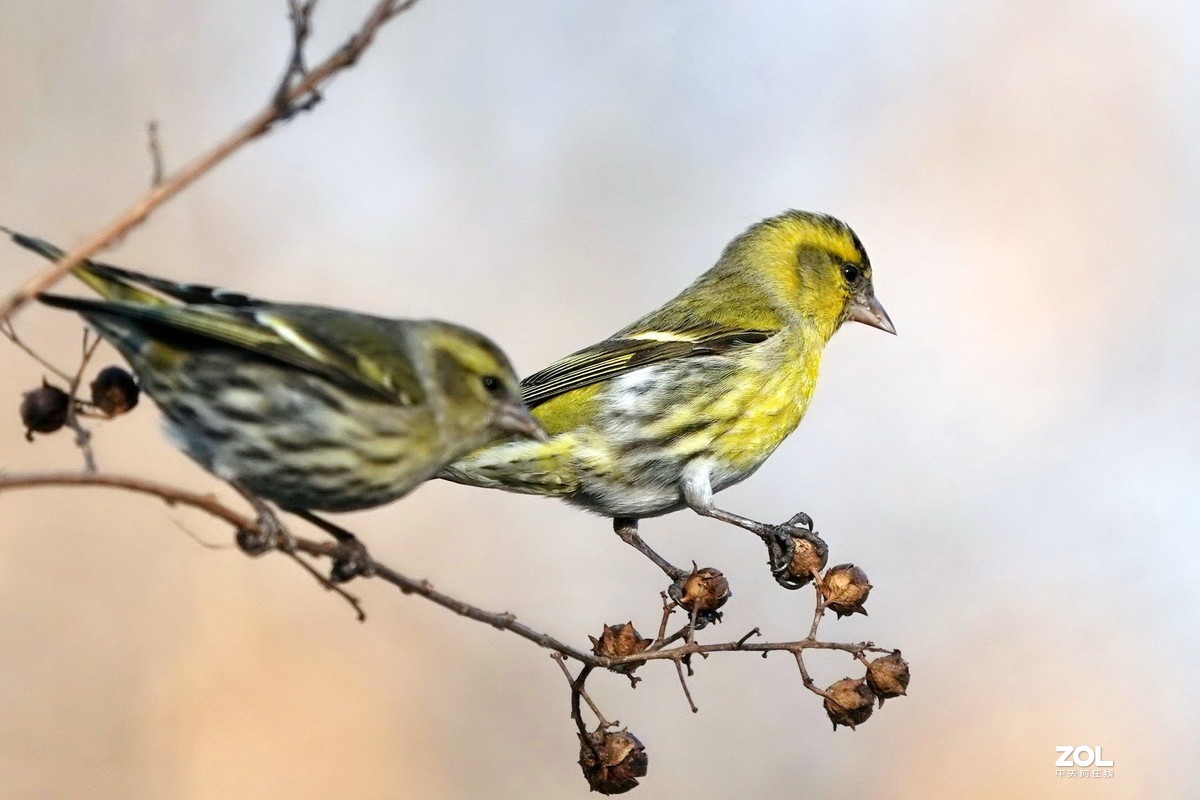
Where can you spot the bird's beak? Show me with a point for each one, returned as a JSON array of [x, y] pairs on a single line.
[[869, 311], [515, 418]]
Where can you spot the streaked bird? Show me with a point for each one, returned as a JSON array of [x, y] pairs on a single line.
[[693, 397], [308, 407]]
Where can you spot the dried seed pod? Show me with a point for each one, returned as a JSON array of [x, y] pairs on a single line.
[[44, 410], [849, 702], [617, 641], [888, 676], [612, 761], [845, 588], [704, 591], [114, 391], [810, 555]]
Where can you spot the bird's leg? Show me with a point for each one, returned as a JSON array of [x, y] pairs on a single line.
[[627, 529], [354, 560], [779, 540]]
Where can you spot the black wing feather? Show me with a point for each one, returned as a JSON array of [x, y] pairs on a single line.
[[615, 357]]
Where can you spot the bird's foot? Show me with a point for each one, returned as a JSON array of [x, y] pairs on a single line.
[[795, 553], [352, 561], [267, 534]]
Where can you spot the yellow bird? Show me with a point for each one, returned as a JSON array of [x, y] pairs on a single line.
[[693, 397]]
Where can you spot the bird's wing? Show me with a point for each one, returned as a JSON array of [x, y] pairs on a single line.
[[622, 354], [295, 335], [299, 336]]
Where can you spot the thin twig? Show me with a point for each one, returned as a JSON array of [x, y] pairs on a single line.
[[500, 620], [332, 550], [83, 437], [819, 610], [156, 157], [753, 632], [195, 537], [262, 122], [683, 682], [674, 637], [300, 15], [10, 333], [329, 585], [805, 678], [668, 610], [578, 691]]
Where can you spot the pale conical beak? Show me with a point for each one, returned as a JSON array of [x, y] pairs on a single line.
[[869, 311], [515, 418]]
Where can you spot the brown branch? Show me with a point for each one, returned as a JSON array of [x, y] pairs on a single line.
[[10, 333], [578, 691], [819, 610], [687, 693], [156, 157], [667, 611], [83, 437], [752, 633], [322, 549], [300, 15], [329, 585], [503, 621], [806, 679], [344, 57]]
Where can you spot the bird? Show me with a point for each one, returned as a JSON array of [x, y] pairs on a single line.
[[311, 408], [693, 397]]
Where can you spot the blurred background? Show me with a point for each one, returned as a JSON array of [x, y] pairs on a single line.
[[1016, 471]]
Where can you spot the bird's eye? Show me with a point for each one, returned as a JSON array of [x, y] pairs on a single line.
[[493, 384], [851, 272]]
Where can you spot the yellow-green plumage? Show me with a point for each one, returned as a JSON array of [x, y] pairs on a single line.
[[694, 396], [312, 408]]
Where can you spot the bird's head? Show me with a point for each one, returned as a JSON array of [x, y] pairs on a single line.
[[481, 393], [817, 265]]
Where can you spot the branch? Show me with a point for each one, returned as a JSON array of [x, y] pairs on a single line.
[[156, 157], [83, 437], [275, 111], [503, 621], [209, 504], [610, 760], [10, 333]]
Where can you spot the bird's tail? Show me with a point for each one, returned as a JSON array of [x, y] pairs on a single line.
[[521, 466], [111, 283], [116, 321]]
